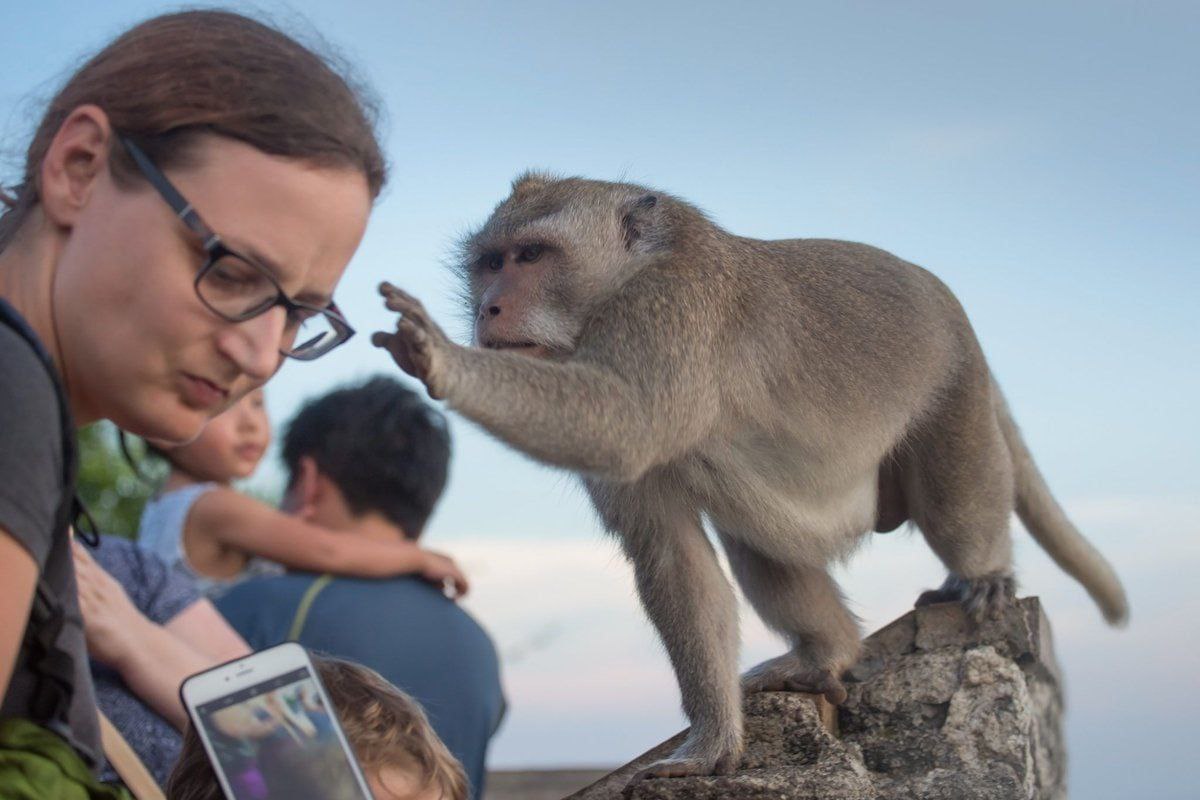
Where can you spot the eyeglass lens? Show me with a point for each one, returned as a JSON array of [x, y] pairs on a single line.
[[238, 290]]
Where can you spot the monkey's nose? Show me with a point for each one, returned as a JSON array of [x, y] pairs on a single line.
[[492, 311]]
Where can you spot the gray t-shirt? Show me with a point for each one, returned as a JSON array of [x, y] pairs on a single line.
[[31, 488]]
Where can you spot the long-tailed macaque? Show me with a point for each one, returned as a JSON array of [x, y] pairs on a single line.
[[796, 394]]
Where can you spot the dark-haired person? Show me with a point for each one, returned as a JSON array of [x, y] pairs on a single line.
[[371, 461], [177, 230]]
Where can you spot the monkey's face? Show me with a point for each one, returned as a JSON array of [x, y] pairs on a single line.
[[521, 299], [547, 258]]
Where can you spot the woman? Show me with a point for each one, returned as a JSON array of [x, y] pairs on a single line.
[[189, 202]]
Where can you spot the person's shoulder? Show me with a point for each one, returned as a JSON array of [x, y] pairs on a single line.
[[406, 586], [25, 384], [31, 446], [110, 548], [418, 597], [118, 556], [264, 589]]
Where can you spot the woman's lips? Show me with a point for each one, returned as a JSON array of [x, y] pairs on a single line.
[[202, 394]]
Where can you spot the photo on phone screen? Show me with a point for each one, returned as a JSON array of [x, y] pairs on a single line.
[[278, 739]]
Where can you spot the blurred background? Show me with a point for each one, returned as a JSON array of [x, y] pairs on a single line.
[[1042, 159]]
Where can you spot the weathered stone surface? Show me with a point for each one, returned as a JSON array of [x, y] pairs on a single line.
[[959, 710], [939, 707], [789, 756]]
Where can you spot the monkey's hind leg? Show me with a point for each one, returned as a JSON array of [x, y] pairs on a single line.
[[687, 597], [960, 491], [803, 604]]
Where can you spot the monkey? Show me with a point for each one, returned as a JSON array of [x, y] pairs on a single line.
[[795, 395]]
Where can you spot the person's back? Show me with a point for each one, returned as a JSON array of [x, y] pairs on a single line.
[[403, 628], [370, 462]]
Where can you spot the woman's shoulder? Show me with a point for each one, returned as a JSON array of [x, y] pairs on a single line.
[[25, 383], [31, 446]]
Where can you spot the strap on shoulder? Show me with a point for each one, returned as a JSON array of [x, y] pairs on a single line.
[[305, 604], [55, 667], [125, 762]]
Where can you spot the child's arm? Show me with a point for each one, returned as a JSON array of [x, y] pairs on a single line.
[[246, 524]]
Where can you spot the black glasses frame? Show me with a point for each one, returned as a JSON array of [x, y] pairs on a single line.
[[215, 249]]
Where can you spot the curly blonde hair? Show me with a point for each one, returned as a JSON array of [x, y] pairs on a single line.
[[386, 728]]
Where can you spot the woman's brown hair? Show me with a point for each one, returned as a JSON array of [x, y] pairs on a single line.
[[178, 75]]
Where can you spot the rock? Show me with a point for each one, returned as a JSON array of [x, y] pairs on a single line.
[[938, 707]]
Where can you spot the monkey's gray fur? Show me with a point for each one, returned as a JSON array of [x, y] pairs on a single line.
[[798, 394]]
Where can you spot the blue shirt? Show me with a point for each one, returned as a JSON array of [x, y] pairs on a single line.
[[160, 592], [404, 629]]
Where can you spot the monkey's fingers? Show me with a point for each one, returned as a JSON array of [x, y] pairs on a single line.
[[388, 289], [682, 768], [408, 306], [395, 293], [411, 310], [398, 349], [415, 336]]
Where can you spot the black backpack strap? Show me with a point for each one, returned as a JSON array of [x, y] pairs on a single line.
[[47, 616]]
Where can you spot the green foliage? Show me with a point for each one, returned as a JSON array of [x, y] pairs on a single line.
[[112, 491]]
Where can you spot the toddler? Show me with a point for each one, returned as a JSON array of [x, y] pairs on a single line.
[[222, 536]]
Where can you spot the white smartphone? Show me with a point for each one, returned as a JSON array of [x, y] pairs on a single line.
[[270, 731]]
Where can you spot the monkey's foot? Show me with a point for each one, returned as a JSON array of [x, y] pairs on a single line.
[[791, 673], [684, 766], [985, 597]]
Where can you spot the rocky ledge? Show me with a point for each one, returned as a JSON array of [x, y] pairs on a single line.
[[939, 709]]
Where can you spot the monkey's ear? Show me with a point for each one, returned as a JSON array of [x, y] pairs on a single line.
[[641, 223], [529, 181]]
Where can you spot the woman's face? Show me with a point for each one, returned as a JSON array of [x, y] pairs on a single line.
[[138, 346], [230, 446]]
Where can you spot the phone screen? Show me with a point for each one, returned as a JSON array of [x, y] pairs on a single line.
[[276, 740]]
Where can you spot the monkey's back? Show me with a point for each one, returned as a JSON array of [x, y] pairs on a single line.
[[832, 350], [860, 323]]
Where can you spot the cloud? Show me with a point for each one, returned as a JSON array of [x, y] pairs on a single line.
[[955, 140]]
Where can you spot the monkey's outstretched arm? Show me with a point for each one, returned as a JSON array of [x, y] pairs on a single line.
[[579, 414]]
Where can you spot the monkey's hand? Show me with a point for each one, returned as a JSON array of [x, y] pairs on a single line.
[[419, 346]]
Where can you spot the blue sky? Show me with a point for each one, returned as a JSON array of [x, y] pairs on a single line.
[[1041, 158]]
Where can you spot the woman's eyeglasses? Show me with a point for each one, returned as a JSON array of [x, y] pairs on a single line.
[[237, 288]]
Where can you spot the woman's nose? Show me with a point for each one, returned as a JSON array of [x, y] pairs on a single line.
[[254, 344]]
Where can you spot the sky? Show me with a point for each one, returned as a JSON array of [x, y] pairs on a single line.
[[1040, 158]]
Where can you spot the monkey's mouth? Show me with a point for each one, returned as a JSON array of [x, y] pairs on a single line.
[[500, 344], [527, 348]]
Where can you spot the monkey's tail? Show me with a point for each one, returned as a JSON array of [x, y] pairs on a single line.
[[1045, 520]]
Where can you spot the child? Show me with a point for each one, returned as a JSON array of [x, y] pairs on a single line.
[[222, 536], [400, 755]]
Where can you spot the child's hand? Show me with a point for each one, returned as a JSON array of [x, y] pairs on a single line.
[[441, 571], [110, 620]]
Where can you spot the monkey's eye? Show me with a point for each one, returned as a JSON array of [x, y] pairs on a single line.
[[530, 253], [494, 261]]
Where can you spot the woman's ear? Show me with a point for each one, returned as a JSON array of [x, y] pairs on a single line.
[[77, 156]]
